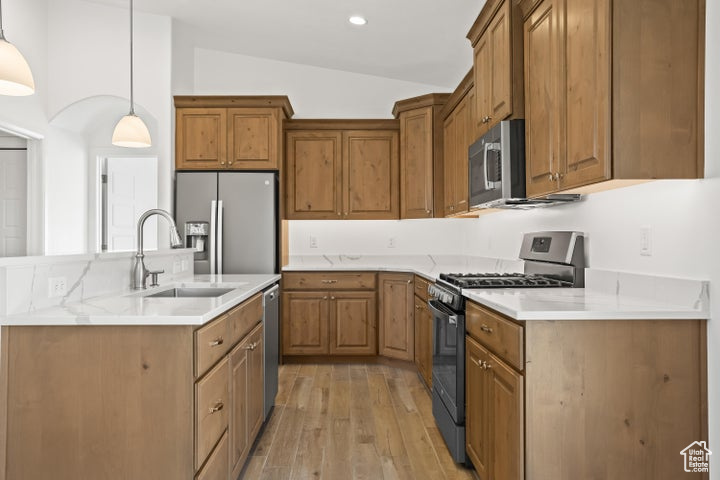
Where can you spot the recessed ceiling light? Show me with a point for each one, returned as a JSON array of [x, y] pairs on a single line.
[[357, 20]]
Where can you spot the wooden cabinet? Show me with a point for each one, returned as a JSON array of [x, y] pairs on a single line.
[[421, 155], [494, 415], [353, 323], [239, 133], [458, 134], [314, 175], [246, 398], [144, 402], [396, 317], [342, 170], [544, 394], [423, 339], [339, 320], [496, 37], [592, 88]]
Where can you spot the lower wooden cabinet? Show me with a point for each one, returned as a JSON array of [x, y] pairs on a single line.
[[329, 322], [494, 415], [216, 467], [246, 398], [396, 317], [423, 339]]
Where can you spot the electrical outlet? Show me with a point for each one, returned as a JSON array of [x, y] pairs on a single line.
[[313, 241], [57, 287], [392, 242], [646, 241]]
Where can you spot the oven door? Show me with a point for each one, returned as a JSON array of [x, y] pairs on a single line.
[[448, 370]]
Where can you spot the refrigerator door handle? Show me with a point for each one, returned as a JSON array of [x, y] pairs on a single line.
[[220, 238], [213, 221]]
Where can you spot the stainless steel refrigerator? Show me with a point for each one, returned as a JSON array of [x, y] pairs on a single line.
[[231, 219]]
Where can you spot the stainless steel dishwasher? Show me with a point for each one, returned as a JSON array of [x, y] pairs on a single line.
[[271, 327]]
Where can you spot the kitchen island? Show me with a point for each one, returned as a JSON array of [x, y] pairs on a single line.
[[133, 386]]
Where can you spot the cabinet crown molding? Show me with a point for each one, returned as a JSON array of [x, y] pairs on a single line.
[[234, 101], [483, 20], [341, 124], [466, 84], [428, 100]]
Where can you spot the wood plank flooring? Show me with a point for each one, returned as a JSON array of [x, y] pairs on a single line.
[[351, 422]]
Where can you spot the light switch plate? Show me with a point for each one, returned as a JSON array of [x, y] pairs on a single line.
[[313, 241], [392, 242], [646, 241]]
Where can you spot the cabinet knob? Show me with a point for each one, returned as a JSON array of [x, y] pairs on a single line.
[[551, 177], [216, 342], [486, 329], [339, 214], [409, 282], [332, 298], [217, 407], [222, 163], [325, 297], [427, 211]]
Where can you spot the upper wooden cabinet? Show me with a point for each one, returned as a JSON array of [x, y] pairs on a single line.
[[342, 169], [612, 91], [496, 37], [240, 133], [459, 132], [421, 155]]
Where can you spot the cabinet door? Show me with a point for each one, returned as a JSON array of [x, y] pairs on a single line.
[[416, 163], [238, 427], [464, 137], [353, 323], [423, 340], [255, 385], [542, 99], [483, 69], [586, 47], [477, 408], [397, 323], [371, 175], [314, 175], [305, 323], [200, 138], [506, 423], [449, 163], [253, 138], [500, 100]]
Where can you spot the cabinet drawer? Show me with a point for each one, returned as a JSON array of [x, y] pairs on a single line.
[[211, 410], [211, 343], [329, 281], [503, 337], [244, 317], [421, 287], [216, 467]]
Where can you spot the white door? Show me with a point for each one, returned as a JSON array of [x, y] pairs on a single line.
[[131, 190], [13, 203]]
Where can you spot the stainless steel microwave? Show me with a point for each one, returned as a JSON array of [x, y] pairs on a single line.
[[497, 165]]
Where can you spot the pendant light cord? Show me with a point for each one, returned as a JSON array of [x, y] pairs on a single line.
[[132, 93], [2, 34]]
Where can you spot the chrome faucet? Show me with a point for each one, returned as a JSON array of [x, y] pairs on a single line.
[[140, 272]]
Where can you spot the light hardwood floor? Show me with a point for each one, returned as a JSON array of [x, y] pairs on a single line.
[[343, 422]]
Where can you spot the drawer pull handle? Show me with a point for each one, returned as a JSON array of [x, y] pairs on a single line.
[[217, 407], [216, 342], [329, 281], [486, 329], [252, 346]]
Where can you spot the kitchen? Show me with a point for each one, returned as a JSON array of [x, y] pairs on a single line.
[[78, 54]]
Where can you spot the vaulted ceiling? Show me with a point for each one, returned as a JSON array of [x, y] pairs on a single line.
[[414, 40]]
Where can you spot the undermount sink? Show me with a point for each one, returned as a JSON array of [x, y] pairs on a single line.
[[189, 292]]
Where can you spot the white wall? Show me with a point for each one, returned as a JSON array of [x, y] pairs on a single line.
[[314, 92], [371, 237]]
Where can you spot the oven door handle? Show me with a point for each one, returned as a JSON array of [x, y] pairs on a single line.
[[443, 312]]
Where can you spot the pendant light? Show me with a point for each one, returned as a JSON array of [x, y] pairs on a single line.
[[15, 76], [131, 131]]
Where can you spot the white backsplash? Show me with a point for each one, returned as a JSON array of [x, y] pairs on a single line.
[[24, 281]]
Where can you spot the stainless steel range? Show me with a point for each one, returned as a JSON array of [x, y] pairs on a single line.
[[552, 260]]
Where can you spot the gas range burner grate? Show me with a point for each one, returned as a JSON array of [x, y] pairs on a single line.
[[501, 280]]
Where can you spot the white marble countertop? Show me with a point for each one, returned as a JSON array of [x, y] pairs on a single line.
[[135, 308], [607, 296]]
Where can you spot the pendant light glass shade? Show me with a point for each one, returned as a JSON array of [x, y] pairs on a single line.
[[15, 76], [131, 132]]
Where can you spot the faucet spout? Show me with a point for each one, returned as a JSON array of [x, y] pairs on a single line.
[[140, 272]]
